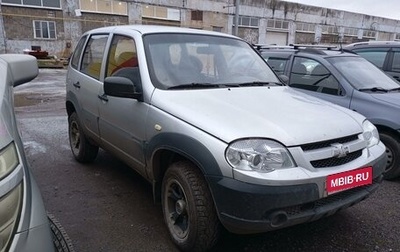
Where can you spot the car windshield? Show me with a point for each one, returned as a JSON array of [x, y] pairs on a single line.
[[203, 61], [362, 74]]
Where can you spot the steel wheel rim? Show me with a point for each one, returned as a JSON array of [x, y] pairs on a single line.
[[389, 164], [176, 209], [74, 137]]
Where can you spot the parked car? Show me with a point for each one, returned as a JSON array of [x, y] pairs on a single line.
[[347, 80], [223, 142], [383, 54], [24, 224]]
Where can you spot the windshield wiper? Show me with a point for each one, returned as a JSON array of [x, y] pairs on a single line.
[[195, 85], [374, 89], [394, 89], [259, 83]]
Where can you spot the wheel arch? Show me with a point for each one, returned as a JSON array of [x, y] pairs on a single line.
[[167, 148], [388, 130]]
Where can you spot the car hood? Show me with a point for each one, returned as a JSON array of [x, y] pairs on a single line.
[[391, 98], [279, 113]]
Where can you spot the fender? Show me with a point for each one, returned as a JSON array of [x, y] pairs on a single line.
[[183, 145]]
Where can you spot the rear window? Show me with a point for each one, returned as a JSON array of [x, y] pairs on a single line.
[[374, 55]]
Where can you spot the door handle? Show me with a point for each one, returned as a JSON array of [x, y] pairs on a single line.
[[76, 84], [103, 97]]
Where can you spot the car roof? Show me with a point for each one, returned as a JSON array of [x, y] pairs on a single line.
[[308, 51], [150, 29], [368, 44]]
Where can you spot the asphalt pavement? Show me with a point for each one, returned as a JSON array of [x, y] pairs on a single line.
[[105, 206]]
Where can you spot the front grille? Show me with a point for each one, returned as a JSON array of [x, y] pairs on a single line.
[[323, 144], [335, 161]]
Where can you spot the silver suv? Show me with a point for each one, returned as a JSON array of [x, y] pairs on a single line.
[[204, 119]]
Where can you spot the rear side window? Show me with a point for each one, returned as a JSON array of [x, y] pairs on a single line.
[[376, 56], [93, 55], [78, 52]]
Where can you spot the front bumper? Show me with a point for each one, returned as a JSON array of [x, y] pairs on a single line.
[[246, 208]]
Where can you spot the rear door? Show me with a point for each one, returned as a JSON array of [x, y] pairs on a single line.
[[84, 81]]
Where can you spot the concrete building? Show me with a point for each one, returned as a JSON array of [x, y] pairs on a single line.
[[55, 25]]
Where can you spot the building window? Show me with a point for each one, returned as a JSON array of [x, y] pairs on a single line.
[[44, 29], [328, 29], [247, 21], [35, 3], [104, 6], [369, 34], [305, 27], [217, 28], [197, 15], [350, 31], [397, 36], [278, 24], [161, 13]]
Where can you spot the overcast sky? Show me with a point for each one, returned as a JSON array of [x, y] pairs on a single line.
[[380, 8]]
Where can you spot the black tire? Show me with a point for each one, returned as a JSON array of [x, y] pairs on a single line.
[[82, 149], [188, 208], [392, 144], [61, 241]]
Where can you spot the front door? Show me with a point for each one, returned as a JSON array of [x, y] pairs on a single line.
[[122, 120]]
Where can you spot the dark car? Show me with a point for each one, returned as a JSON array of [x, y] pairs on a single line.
[[383, 54], [346, 79]]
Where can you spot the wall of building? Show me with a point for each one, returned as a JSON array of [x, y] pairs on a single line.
[[16, 28]]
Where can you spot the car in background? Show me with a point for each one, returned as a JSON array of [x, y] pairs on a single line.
[[346, 79], [383, 54], [24, 223], [225, 145]]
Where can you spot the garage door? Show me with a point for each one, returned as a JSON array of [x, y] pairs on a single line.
[[278, 38]]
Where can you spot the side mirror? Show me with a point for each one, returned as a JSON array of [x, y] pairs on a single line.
[[23, 67], [284, 79], [121, 87]]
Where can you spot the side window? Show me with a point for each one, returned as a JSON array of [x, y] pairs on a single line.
[[374, 55], [122, 60], [122, 54], [277, 64], [93, 55], [311, 75], [396, 62], [78, 52]]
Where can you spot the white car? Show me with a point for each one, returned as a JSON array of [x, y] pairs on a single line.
[[204, 119]]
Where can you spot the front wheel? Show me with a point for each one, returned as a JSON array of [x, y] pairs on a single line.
[[392, 144], [82, 149], [188, 208]]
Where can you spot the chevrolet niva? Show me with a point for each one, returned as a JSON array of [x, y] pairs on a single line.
[[223, 142], [24, 224]]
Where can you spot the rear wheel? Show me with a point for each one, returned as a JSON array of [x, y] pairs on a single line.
[[82, 149], [392, 144], [188, 208]]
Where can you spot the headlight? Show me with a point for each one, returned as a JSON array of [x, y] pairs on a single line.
[[370, 133], [10, 205], [8, 160], [259, 155]]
